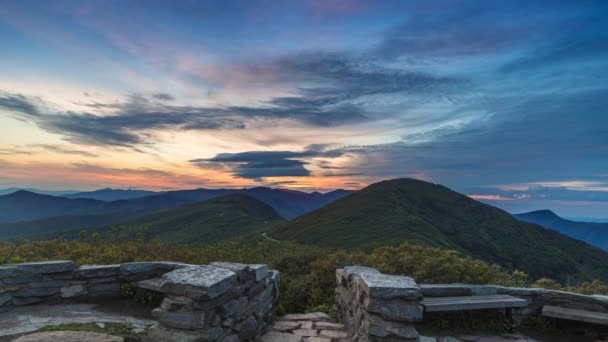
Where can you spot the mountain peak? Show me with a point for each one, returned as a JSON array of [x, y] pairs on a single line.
[[544, 213]]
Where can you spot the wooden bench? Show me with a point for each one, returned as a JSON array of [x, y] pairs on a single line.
[[462, 303], [575, 315]]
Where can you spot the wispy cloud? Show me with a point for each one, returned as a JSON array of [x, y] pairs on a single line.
[[261, 164]]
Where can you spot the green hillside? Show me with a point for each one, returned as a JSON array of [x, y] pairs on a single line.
[[210, 221], [394, 211]]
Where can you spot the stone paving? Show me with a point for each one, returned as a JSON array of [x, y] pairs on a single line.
[[69, 336], [312, 327], [27, 319]]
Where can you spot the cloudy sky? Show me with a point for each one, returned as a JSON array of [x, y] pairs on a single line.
[[502, 100]]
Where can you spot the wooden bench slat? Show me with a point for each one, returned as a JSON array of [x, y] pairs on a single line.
[[461, 303], [575, 315]]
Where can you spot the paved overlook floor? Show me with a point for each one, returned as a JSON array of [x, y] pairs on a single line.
[[313, 327], [27, 319]]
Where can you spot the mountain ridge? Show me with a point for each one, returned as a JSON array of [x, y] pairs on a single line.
[[407, 210], [595, 233]]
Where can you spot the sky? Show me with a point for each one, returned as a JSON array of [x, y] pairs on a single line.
[[504, 101]]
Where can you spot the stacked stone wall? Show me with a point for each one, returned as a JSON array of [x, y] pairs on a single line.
[[53, 281], [219, 302], [225, 302], [377, 307]]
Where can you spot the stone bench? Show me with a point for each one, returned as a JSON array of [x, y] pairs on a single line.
[[575, 315], [462, 303]]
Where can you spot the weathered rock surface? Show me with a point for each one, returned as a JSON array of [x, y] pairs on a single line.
[[222, 302], [313, 327], [376, 306], [225, 302], [69, 336], [43, 267], [198, 282]]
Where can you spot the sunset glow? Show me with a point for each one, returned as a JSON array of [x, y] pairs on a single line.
[[309, 95]]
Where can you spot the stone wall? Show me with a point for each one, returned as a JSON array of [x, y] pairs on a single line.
[[222, 302], [217, 302], [377, 307], [52, 281]]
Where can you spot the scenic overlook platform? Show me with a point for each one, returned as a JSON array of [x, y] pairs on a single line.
[[229, 302]]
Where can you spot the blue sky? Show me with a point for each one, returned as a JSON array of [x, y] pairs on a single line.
[[503, 101]]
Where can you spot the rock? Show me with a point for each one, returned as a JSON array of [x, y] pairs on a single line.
[[104, 289], [69, 336], [73, 291], [198, 282], [27, 301], [285, 325], [385, 286], [260, 271], [145, 270], [333, 333], [174, 303], [44, 267], [280, 337], [318, 339], [396, 310], [98, 271], [305, 332], [7, 271], [180, 320], [37, 292], [248, 328], [314, 316], [329, 326], [21, 279], [377, 326], [5, 298], [306, 324], [50, 283]]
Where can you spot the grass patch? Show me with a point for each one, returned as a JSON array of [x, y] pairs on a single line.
[[116, 329]]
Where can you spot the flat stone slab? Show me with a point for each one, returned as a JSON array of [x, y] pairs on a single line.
[[314, 316], [69, 336], [150, 284], [26, 319], [384, 286], [198, 282], [280, 337], [311, 327], [44, 267]]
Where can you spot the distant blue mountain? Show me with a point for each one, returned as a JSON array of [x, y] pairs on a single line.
[[109, 195], [38, 191], [590, 232], [26, 206]]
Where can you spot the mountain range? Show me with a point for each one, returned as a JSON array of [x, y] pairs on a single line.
[[109, 195], [385, 213], [26, 206], [38, 191], [591, 232]]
